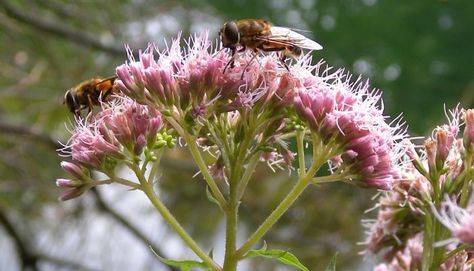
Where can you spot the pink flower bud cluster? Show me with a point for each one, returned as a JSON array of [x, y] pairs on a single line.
[[92, 144], [407, 259], [192, 79], [440, 145], [99, 143], [76, 184], [400, 215], [124, 124], [133, 125], [442, 170], [346, 116], [410, 258], [192, 82]]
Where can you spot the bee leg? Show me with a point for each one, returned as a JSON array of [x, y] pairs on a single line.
[[282, 59], [89, 104], [231, 61], [284, 56]]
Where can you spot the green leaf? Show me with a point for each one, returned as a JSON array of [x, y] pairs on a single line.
[[211, 198], [332, 264], [185, 265], [283, 256]]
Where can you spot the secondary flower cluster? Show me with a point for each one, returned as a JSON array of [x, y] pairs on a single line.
[[346, 113], [443, 172], [260, 96], [410, 258], [121, 130]]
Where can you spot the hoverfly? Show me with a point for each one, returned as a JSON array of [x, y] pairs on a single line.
[[261, 35], [89, 93]]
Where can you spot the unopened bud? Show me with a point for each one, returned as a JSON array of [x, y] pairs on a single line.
[[468, 138], [61, 182]]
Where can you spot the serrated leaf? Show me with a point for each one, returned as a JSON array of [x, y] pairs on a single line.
[[283, 256], [332, 264], [185, 265]]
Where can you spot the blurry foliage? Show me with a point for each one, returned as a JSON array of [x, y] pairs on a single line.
[[420, 53]]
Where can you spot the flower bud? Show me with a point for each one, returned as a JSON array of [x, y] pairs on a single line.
[[445, 137], [71, 194], [67, 183], [75, 170], [468, 137]]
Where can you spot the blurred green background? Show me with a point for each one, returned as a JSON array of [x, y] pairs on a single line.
[[420, 53]]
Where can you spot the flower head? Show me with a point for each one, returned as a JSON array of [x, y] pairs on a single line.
[[346, 115], [191, 84], [132, 124], [122, 129], [91, 144]]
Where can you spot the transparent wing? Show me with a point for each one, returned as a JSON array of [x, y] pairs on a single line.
[[286, 36]]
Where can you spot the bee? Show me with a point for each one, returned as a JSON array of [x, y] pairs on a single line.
[[89, 93], [261, 35]]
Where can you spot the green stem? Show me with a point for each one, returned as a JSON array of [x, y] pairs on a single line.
[[301, 154], [329, 178], [275, 215], [428, 241], [466, 182], [122, 181], [434, 178], [154, 168], [230, 259], [222, 145], [147, 188], [127, 183], [247, 174], [438, 252], [193, 148], [175, 125]]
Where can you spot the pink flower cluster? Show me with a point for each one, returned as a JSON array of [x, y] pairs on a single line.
[[133, 125], [99, 143], [122, 125], [444, 170], [346, 114], [192, 79], [192, 83], [410, 258]]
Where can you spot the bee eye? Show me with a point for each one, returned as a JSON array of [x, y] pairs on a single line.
[[70, 101], [231, 33]]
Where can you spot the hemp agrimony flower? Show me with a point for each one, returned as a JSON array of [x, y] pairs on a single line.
[[103, 141], [241, 116], [430, 200]]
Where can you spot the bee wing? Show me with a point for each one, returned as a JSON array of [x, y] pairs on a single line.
[[287, 36]]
